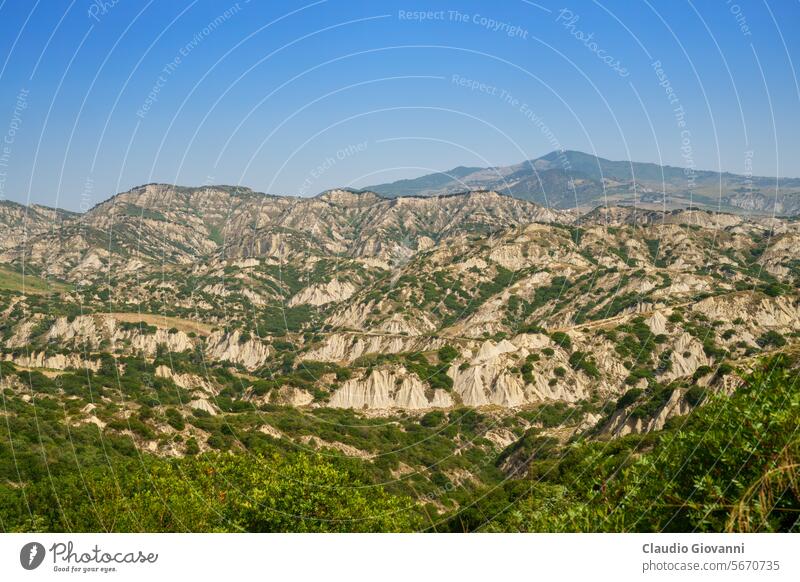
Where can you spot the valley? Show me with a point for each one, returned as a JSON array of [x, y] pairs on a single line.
[[457, 351]]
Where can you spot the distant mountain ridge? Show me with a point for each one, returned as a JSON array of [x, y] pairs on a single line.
[[570, 179], [560, 180]]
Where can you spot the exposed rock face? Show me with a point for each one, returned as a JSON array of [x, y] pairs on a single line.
[[229, 347], [187, 381], [485, 378], [204, 405], [657, 323], [491, 351], [350, 274], [54, 362], [397, 324], [351, 316], [367, 304], [687, 356], [148, 344], [82, 329], [291, 396], [19, 223], [323, 293], [345, 347], [488, 383], [622, 423], [350, 451], [387, 389], [22, 335], [200, 222], [501, 437], [760, 311], [485, 375]]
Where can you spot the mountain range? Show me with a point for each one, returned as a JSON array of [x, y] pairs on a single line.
[[572, 179]]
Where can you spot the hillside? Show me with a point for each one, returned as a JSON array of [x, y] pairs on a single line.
[[435, 343]]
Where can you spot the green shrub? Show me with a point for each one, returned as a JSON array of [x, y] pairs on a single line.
[[218, 493], [628, 398], [432, 419], [175, 419], [695, 395], [771, 338], [562, 340], [447, 354], [580, 361]]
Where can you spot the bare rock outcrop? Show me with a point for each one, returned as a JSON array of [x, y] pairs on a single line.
[[687, 356], [232, 347], [324, 293], [187, 381], [54, 362], [387, 389], [622, 423]]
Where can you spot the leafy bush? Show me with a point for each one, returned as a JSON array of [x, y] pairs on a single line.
[[771, 338], [447, 354], [432, 419], [562, 340], [701, 371], [695, 395], [213, 493], [175, 419], [580, 361], [732, 466], [628, 398]]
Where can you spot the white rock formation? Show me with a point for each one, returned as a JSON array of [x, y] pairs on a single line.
[[687, 356], [187, 381], [387, 389], [54, 362], [229, 347], [346, 347], [622, 423], [203, 404], [291, 396], [324, 293]]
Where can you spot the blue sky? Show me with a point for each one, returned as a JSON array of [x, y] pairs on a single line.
[[297, 97]]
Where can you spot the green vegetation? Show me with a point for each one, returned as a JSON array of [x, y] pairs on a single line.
[[212, 493], [215, 447], [581, 361], [279, 320], [15, 281], [771, 339], [743, 449], [447, 354], [435, 375], [730, 466], [562, 340]]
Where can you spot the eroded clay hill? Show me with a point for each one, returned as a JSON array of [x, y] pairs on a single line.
[[241, 301]]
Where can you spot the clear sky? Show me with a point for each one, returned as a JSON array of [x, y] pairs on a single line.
[[297, 97]]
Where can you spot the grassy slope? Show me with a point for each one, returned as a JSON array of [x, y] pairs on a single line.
[[14, 281]]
